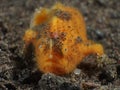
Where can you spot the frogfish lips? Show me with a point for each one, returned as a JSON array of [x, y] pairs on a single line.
[[54, 63]]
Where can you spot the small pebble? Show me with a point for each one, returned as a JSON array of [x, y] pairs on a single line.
[[99, 34], [77, 71], [101, 2]]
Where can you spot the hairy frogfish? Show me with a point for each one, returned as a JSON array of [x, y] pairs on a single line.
[[58, 35]]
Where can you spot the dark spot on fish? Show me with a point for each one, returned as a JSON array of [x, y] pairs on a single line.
[[57, 43], [62, 36], [87, 44], [78, 39], [69, 26], [42, 30], [62, 14]]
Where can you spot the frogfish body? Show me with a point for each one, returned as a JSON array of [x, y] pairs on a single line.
[[59, 38]]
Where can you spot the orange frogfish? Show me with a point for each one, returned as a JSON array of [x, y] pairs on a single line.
[[58, 35]]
